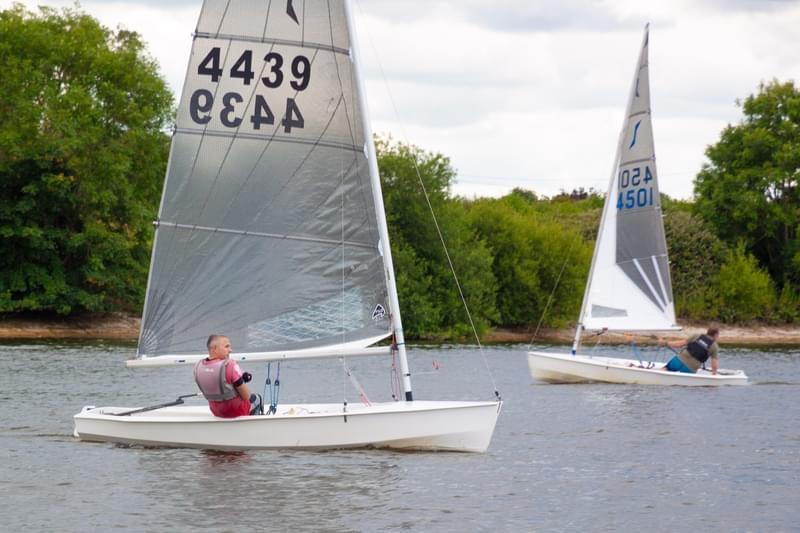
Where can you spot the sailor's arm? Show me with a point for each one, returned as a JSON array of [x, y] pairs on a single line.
[[241, 385], [244, 391]]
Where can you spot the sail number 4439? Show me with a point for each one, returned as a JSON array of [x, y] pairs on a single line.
[[635, 188], [273, 74]]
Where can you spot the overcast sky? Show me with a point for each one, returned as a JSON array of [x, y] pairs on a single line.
[[531, 93]]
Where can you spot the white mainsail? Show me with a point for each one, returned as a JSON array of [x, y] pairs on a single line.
[[268, 230], [629, 285]]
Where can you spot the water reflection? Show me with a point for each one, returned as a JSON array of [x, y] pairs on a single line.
[[210, 489], [216, 458]]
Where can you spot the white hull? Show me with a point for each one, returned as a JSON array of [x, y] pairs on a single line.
[[568, 368], [418, 425]]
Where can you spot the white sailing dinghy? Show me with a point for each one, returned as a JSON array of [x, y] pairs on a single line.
[[629, 287], [272, 231]]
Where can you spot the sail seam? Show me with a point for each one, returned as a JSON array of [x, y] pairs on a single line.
[[632, 161], [268, 235], [268, 40], [276, 138]]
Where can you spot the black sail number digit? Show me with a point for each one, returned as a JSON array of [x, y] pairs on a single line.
[[196, 107], [301, 69], [225, 115], [293, 117], [209, 66], [262, 114], [275, 60], [243, 68]]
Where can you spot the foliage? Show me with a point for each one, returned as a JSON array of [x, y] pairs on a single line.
[[749, 190], [696, 256], [538, 262], [82, 155], [402, 168], [745, 290], [787, 308], [421, 315]]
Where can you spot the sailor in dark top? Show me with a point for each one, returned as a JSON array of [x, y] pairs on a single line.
[[696, 351]]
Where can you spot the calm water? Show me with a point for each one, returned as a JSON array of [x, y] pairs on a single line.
[[563, 458]]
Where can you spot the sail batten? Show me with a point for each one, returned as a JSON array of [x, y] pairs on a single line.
[[265, 235], [272, 138], [629, 285], [266, 40]]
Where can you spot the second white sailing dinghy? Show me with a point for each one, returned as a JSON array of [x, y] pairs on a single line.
[[272, 231], [629, 287]]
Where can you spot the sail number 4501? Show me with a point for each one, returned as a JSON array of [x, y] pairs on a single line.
[[635, 188], [202, 100]]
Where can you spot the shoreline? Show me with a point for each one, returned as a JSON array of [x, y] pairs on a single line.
[[757, 335], [126, 328]]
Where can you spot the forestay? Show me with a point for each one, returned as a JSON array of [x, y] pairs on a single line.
[[629, 285], [267, 229]]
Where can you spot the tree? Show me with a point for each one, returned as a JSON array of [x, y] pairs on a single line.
[[746, 291], [749, 189], [83, 112], [696, 256], [429, 298], [535, 256]]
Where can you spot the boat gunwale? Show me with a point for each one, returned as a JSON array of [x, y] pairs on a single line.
[[361, 411], [733, 375]]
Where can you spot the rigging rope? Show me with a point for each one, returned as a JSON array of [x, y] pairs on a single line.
[[433, 215], [362, 395]]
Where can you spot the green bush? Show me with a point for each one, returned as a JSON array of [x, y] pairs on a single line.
[[696, 256], [787, 308], [535, 256], [746, 291]]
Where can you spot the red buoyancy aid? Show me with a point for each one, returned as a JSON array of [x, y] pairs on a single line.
[[210, 377]]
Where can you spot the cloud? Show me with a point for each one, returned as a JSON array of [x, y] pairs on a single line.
[[532, 93]]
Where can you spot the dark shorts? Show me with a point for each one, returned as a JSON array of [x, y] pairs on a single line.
[[676, 365]]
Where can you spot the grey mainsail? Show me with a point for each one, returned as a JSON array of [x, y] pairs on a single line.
[[267, 230]]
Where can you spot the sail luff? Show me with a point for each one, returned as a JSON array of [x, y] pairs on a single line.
[[146, 306], [383, 230]]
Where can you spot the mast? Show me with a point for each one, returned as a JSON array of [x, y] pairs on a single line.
[[380, 214]]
